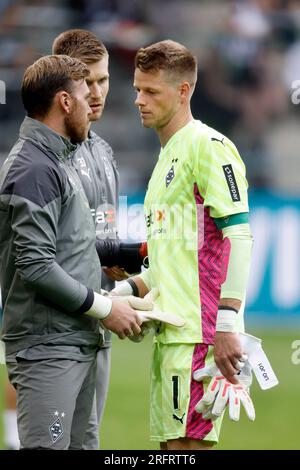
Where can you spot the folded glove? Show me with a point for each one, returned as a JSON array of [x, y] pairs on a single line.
[[149, 316], [146, 328], [143, 305], [220, 392]]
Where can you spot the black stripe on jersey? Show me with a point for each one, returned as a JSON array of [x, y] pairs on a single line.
[[175, 380]]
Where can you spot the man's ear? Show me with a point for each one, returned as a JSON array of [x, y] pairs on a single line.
[[64, 100], [185, 90]]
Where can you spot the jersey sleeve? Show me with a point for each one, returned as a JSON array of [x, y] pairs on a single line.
[[220, 175]]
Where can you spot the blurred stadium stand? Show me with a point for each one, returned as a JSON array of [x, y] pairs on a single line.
[[248, 53]]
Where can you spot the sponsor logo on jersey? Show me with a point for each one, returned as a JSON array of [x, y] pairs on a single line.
[[153, 217], [231, 182], [104, 216], [149, 219], [158, 231], [160, 215]]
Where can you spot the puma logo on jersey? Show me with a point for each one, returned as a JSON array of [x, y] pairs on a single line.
[[214, 139], [84, 170], [179, 419], [170, 176], [86, 173]]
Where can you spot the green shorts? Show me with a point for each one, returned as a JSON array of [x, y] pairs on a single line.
[[174, 393]]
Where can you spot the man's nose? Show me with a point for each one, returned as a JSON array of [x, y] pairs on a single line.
[[96, 90], [139, 101], [89, 109]]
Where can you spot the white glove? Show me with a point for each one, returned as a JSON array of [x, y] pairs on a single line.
[[258, 361], [123, 293], [149, 316], [145, 305], [146, 328], [220, 392]]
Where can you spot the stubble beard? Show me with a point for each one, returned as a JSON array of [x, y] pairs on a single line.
[[95, 116], [75, 128]]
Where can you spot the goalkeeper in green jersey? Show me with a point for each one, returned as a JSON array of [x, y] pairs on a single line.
[[199, 247]]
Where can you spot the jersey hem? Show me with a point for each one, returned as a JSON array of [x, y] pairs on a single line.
[[180, 341], [232, 295]]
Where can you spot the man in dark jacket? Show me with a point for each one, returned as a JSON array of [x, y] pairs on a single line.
[[49, 271]]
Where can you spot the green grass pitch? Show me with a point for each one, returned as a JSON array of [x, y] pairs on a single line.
[[125, 423]]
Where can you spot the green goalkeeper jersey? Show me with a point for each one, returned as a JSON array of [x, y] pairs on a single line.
[[197, 183]]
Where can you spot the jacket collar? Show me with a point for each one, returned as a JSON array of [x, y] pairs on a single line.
[[92, 136], [44, 137]]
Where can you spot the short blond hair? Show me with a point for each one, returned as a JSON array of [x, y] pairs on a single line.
[[46, 77], [80, 43], [170, 56]]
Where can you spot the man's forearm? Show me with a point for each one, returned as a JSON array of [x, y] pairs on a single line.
[[241, 241], [231, 303], [141, 286], [138, 286], [108, 251], [58, 286]]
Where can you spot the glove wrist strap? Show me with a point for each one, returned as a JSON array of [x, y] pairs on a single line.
[[124, 288], [134, 287], [226, 321]]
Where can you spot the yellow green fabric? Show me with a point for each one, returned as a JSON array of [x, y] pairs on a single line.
[[193, 159], [171, 361]]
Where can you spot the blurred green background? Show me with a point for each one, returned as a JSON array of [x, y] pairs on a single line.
[[125, 425]]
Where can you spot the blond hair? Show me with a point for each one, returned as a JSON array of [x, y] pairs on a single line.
[[81, 44]]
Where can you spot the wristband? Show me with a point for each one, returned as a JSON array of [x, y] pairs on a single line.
[[101, 307], [226, 320]]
